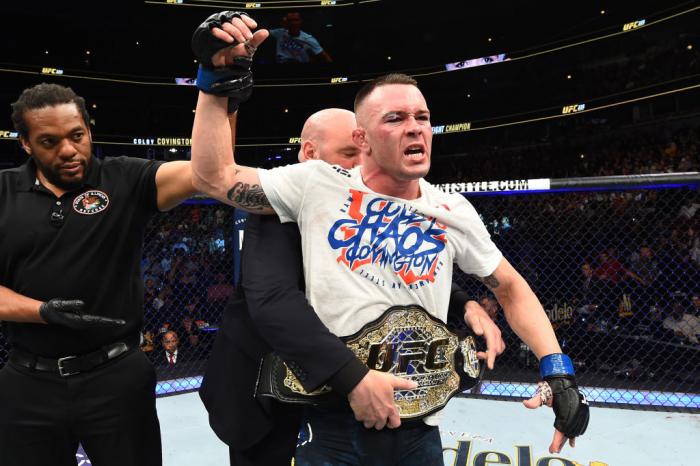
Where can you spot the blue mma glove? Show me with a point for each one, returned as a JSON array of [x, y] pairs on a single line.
[[570, 406], [234, 81]]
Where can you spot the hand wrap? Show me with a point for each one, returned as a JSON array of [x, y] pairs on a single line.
[[570, 406], [234, 81]]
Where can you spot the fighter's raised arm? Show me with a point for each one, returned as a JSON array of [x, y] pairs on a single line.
[[224, 45]]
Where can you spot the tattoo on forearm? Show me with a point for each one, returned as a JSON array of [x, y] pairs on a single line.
[[247, 196], [491, 281]]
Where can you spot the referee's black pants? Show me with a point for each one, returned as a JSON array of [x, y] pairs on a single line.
[[110, 410]]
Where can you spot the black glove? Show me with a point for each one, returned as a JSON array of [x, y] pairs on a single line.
[[570, 406], [68, 313], [234, 81]]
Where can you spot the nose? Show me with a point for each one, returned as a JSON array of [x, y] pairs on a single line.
[[413, 126], [66, 149]]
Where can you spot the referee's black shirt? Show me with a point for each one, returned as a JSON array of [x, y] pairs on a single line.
[[85, 245]]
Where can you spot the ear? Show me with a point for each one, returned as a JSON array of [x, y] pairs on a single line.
[[308, 151], [25, 145], [359, 137]]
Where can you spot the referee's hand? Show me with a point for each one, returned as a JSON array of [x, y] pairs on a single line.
[[68, 313]]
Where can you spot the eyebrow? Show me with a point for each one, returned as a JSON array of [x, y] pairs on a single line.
[[53, 135], [404, 113]]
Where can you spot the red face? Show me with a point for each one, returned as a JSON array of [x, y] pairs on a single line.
[[60, 143], [396, 124]]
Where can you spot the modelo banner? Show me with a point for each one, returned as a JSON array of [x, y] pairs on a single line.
[[480, 432]]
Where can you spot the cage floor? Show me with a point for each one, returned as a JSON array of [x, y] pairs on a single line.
[[473, 427]]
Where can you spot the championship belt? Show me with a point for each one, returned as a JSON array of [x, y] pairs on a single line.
[[405, 341]]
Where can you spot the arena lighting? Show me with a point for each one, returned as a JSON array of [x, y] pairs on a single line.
[[165, 387], [438, 130], [599, 395], [324, 81], [511, 390]]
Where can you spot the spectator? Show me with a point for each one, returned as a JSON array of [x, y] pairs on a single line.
[[147, 343], [296, 46], [172, 360], [189, 324], [646, 271], [684, 324], [695, 300], [171, 353]]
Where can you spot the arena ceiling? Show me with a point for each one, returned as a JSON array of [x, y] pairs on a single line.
[[361, 36]]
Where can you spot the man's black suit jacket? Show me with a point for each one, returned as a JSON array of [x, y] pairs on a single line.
[[269, 312]]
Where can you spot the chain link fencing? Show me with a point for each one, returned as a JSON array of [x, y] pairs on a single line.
[[188, 278], [617, 270]]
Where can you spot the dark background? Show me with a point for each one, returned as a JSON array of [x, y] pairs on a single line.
[[420, 38]]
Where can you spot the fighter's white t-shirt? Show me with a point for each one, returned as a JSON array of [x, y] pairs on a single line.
[[365, 252]]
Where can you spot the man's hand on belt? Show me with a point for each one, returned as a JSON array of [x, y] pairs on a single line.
[[68, 313], [372, 400]]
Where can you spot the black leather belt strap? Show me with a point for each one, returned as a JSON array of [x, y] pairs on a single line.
[[69, 365]]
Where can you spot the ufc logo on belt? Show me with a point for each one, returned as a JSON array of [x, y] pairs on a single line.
[[405, 358]]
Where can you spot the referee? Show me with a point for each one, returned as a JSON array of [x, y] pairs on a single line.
[[71, 294]]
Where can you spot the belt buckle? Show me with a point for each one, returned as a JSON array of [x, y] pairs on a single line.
[[61, 371]]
